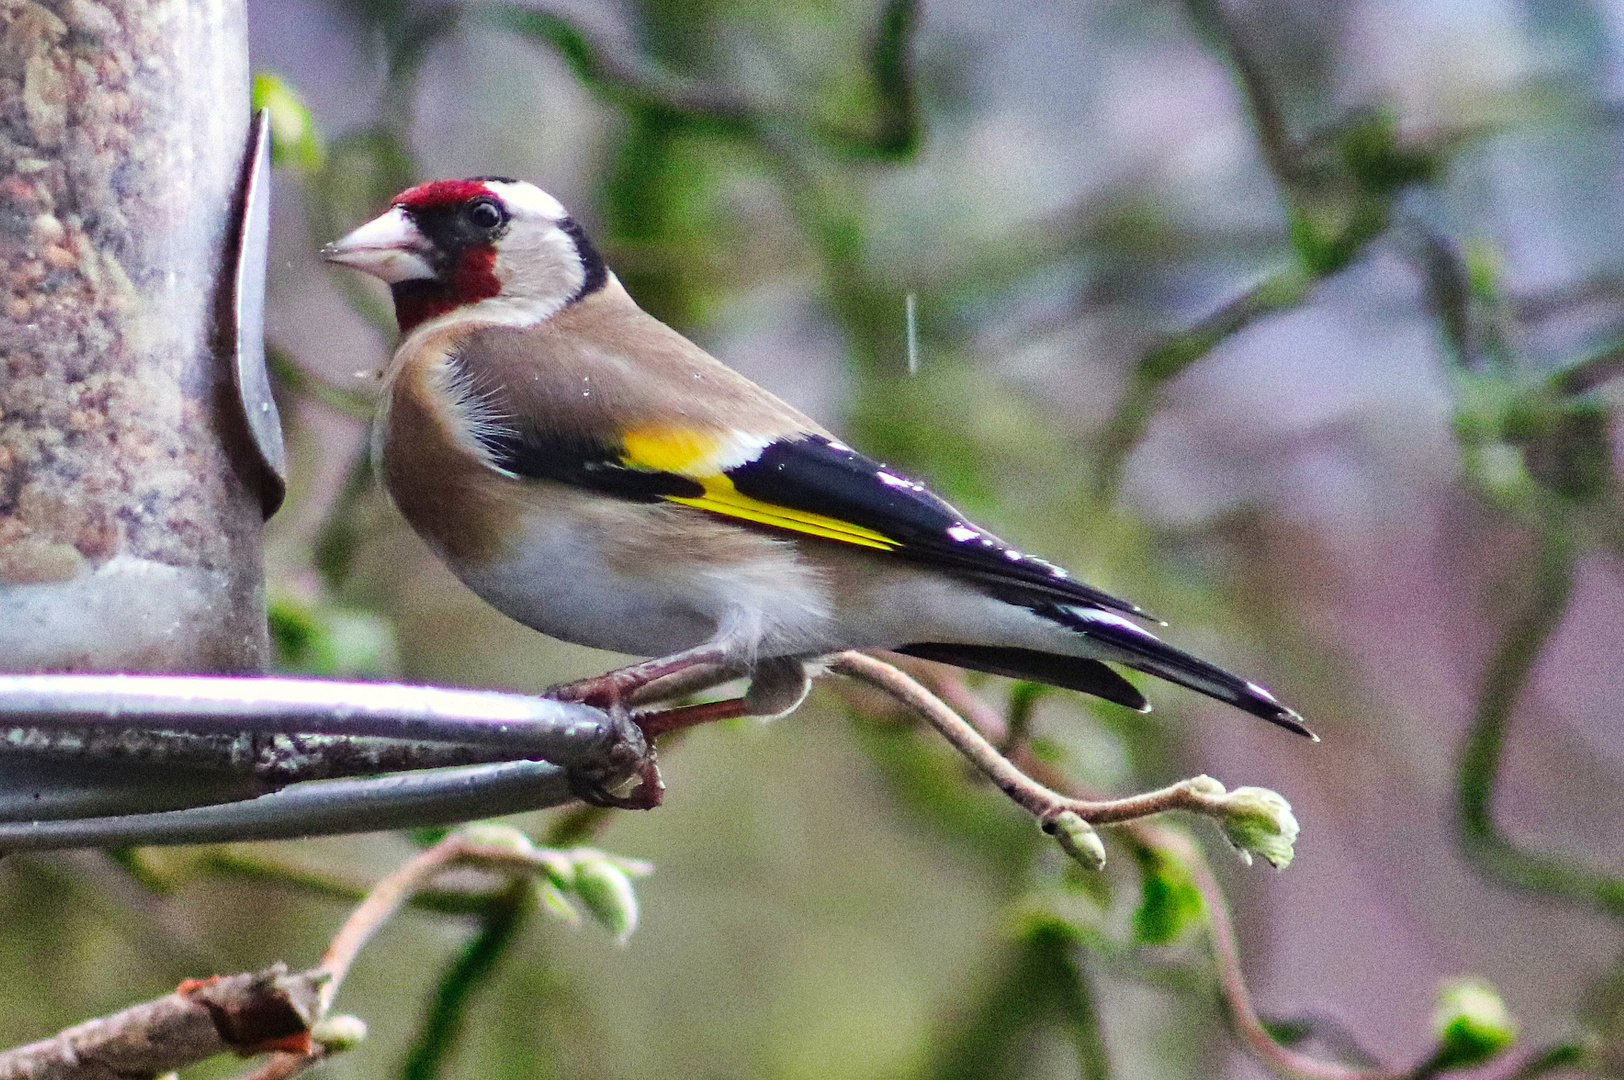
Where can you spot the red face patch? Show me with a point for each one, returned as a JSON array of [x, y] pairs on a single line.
[[464, 257], [440, 193], [473, 280]]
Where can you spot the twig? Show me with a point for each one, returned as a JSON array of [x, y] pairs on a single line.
[[262, 1011], [1169, 359], [499, 925], [1593, 371], [1282, 1060], [293, 375], [242, 862], [1507, 675], [619, 78], [1274, 136], [1040, 801], [1448, 292], [1539, 1061], [245, 1013], [1226, 952], [892, 133], [389, 894]]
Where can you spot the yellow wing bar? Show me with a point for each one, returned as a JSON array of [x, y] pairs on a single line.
[[702, 457], [721, 498]]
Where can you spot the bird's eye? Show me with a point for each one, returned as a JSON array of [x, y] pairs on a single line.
[[485, 213]]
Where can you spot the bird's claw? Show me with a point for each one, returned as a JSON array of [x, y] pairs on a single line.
[[649, 792], [628, 753]]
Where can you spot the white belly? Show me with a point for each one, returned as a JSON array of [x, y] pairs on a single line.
[[613, 584]]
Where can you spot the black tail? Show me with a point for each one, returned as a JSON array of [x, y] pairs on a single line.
[[1069, 672], [1139, 648]]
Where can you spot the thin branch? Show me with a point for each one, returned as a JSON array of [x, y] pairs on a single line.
[[1226, 951], [499, 925], [1174, 355], [1547, 1059], [1274, 135], [1448, 292], [1508, 672], [1282, 1060], [1592, 372], [259, 1012], [243, 862], [389, 894], [289, 373], [1041, 802], [622, 79], [893, 132], [626, 80], [247, 1013]]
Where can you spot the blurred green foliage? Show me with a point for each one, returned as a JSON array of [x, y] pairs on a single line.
[[330, 640], [1534, 438]]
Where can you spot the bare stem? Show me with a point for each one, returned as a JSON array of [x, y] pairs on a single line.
[[1273, 134], [246, 1013], [1173, 355], [1593, 371], [1226, 952], [389, 894], [1494, 854], [1281, 1060], [1044, 803]]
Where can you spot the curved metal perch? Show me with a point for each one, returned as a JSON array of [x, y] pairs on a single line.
[[57, 793]]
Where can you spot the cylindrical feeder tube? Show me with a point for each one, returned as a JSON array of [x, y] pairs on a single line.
[[129, 523]]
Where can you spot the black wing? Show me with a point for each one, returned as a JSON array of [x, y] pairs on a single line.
[[815, 475]]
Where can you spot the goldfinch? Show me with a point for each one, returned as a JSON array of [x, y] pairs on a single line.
[[593, 474]]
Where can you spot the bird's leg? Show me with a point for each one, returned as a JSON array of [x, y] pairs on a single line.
[[685, 683], [657, 722], [778, 685], [616, 686]]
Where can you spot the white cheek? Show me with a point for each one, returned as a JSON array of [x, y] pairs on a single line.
[[543, 269]]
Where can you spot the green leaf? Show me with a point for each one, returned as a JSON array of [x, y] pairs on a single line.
[[324, 639], [1472, 1025], [1169, 903], [294, 141]]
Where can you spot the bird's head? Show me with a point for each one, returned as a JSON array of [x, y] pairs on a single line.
[[496, 247]]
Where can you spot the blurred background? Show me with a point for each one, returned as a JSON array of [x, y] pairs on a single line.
[[1299, 323]]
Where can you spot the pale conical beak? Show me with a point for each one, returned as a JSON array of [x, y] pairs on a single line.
[[388, 247]]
